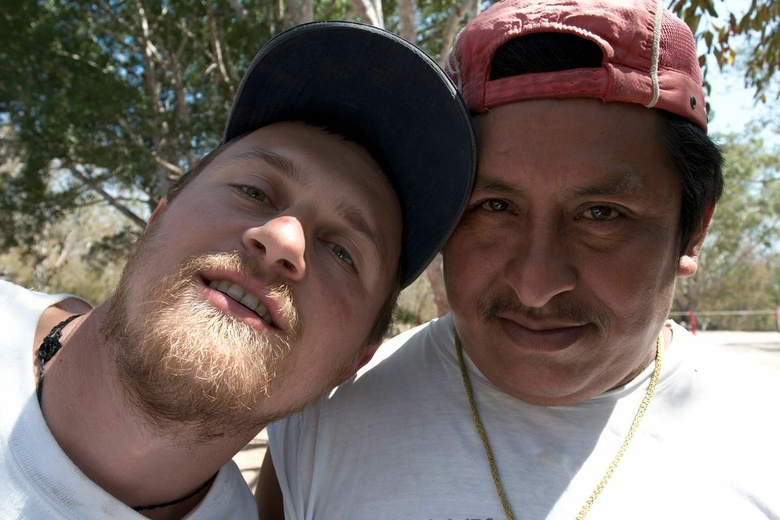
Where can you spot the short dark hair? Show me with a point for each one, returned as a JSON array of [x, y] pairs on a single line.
[[698, 159], [699, 162]]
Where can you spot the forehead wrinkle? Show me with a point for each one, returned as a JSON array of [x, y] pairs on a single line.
[[485, 183], [627, 182], [278, 162]]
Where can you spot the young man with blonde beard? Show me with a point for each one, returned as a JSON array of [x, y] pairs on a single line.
[[265, 277], [557, 388]]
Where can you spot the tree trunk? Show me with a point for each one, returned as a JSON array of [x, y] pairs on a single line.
[[370, 12], [407, 16], [436, 279], [468, 9]]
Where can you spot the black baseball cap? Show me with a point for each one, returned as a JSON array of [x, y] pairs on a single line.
[[406, 110]]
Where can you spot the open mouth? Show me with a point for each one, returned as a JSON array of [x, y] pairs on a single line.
[[239, 294]]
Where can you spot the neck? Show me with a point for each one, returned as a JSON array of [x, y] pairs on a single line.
[[666, 336], [554, 384], [110, 440]]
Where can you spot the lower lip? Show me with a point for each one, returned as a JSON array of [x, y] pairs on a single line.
[[550, 340], [229, 306]]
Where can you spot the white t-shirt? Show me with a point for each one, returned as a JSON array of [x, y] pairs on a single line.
[[37, 479], [399, 442]]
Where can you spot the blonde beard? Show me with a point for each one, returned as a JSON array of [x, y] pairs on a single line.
[[187, 366]]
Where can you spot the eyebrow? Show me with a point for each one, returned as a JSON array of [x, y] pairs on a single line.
[[496, 186], [286, 167], [276, 161], [356, 221], [628, 183]]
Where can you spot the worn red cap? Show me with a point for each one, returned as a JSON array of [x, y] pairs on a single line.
[[649, 59]]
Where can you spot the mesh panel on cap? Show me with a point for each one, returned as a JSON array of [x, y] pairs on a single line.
[[677, 49]]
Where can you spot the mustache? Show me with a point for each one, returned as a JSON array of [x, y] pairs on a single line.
[[555, 310]]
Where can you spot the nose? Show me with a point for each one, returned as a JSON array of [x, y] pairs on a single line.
[[281, 244], [543, 266]]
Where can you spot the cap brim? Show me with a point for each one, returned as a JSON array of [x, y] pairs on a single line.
[[394, 95]]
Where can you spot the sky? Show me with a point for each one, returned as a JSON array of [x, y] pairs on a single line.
[[732, 103]]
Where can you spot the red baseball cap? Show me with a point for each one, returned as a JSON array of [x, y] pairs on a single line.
[[649, 54]]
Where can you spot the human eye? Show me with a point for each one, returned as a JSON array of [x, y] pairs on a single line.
[[255, 193], [494, 205], [601, 213], [485, 210], [342, 254]]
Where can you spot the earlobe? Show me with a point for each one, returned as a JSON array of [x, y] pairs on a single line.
[[688, 265], [689, 261], [156, 213]]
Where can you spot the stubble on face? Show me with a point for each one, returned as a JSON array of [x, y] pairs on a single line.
[[187, 366]]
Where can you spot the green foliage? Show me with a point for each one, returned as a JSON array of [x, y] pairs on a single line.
[[739, 265], [762, 26], [104, 103], [60, 106], [759, 25], [114, 98], [59, 260], [434, 18]]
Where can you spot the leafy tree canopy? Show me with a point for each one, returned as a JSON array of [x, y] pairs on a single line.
[[104, 103]]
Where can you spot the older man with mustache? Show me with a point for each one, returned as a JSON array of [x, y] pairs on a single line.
[[557, 388]]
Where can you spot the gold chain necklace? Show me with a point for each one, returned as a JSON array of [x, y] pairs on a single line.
[[599, 488]]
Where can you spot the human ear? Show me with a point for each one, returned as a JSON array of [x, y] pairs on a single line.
[[156, 213], [689, 261]]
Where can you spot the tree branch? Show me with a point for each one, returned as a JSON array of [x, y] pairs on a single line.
[[113, 201]]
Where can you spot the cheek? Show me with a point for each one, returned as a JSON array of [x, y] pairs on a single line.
[[336, 311], [331, 343], [186, 232], [478, 247], [472, 263], [636, 284]]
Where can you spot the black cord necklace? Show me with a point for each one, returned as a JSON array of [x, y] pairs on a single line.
[[178, 500], [49, 347]]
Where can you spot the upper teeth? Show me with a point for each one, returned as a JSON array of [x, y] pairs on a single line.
[[241, 295]]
